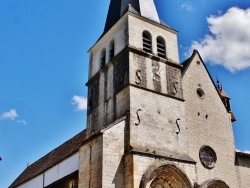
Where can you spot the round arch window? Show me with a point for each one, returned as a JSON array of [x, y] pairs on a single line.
[[167, 176], [208, 157]]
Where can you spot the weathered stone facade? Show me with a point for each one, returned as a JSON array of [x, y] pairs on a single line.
[[152, 122], [208, 124], [167, 122]]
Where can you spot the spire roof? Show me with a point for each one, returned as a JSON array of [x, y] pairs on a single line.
[[144, 8]]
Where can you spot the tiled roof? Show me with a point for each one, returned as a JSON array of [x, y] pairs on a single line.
[[223, 94], [52, 158], [242, 159], [239, 153]]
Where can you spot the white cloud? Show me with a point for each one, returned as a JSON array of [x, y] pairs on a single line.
[[22, 122], [187, 6], [10, 115], [228, 43], [80, 102]]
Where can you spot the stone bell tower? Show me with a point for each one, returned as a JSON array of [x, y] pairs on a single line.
[[134, 71], [151, 122]]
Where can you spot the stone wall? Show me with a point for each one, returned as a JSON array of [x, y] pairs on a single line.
[[101, 161], [158, 76], [243, 169], [143, 163], [90, 164], [167, 117], [113, 150], [107, 101], [153, 123], [169, 35], [117, 34], [208, 124]]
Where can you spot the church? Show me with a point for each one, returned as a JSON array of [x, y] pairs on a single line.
[[152, 121]]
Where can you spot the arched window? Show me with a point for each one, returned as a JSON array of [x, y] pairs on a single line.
[[218, 184], [215, 183], [111, 50], [147, 41], [161, 47], [166, 176], [103, 58]]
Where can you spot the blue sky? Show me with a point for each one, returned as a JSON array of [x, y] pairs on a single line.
[[44, 67]]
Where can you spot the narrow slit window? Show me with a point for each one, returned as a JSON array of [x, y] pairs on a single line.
[[103, 58], [161, 47], [147, 42], [111, 50]]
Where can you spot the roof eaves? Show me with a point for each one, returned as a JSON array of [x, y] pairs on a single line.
[[242, 153], [50, 159]]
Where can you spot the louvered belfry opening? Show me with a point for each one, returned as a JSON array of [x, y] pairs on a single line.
[[103, 58], [161, 47], [111, 50], [147, 42]]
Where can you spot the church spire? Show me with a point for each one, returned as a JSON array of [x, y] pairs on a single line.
[[144, 8]]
